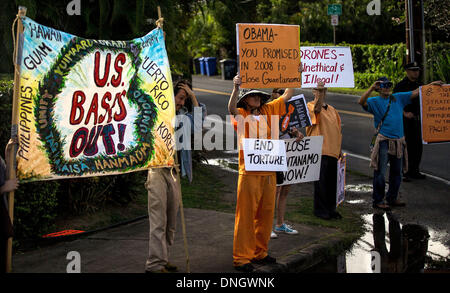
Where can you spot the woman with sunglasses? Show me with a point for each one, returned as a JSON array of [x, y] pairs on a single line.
[[390, 144]]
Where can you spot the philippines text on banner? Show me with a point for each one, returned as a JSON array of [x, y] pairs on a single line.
[[332, 65], [93, 107], [435, 113], [303, 160], [268, 55]]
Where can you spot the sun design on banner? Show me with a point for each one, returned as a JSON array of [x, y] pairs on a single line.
[[104, 99]]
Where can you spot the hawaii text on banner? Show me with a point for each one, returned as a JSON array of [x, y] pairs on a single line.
[[332, 65], [268, 55], [435, 113], [93, 107]]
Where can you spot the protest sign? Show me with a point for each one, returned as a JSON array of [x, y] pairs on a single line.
[[264, 154], [297, 115], [303, 160], [93, 107], [332, 65], [340, 182], [268, 55], [435, 113]]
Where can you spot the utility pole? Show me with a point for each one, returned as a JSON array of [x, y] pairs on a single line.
[[415, 33]]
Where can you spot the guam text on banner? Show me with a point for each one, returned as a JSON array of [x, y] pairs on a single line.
[[332, 65], [93, 107], [268, 55]]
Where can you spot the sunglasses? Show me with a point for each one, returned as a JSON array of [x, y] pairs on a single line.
[[386, 85]]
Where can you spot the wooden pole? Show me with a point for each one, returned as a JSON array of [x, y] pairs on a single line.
[[11, 172], [159, 23]]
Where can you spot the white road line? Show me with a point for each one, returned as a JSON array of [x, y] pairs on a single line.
[[445, 181]]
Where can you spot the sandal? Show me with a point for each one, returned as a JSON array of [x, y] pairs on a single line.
[[382, 206]]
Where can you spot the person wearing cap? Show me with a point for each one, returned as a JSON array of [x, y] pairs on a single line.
[[411, 121], [326, 122], [390, 144], [256, 189]]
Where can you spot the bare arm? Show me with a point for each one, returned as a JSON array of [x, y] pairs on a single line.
[[232, 103], [366, 95], [415, 93]]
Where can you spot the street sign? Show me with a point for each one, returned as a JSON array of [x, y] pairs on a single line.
[[334, 20], [334, 9]]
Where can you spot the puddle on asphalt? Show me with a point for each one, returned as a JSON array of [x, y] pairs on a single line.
[[398, 248], [229, 164], [359, 187]]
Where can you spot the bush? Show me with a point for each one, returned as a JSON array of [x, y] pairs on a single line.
[[35, 209]]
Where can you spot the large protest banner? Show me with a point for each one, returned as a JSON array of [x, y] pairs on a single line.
[[435, 113], [268, 55], [332, 65], [93, 107], [303, 160]]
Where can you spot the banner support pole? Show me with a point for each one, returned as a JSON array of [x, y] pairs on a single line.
[[11, 172], [159, 24]]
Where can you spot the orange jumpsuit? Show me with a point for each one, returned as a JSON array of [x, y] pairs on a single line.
[[256, 190]]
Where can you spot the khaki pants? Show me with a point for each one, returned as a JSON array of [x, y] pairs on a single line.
[[163, 202], [254, 217]]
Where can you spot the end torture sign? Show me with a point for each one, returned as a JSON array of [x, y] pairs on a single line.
[[264, 154]]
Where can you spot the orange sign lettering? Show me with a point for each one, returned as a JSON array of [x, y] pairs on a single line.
[[435, 112]]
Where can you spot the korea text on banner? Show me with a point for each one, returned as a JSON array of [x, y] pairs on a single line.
[[303, 160], [332, 65], [268, 55], [435, 113], [93, 107]]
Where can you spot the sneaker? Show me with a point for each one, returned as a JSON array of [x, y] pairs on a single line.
[[246, 268], [160, 271], [170, 267], [285, 229], [273, 235], [264, 261]]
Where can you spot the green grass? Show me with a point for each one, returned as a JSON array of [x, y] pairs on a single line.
[[303, 213], [205, 191], [350, 91]]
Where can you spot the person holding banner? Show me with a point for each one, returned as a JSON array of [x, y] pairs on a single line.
[[411, 121], [256, 189], [164, 193], [5, 187], [326, 122], [389, 145]]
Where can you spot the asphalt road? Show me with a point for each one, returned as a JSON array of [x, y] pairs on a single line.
[[357, 125]]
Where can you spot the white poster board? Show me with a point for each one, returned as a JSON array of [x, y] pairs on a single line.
[[340, 182], [303, 160], [264, 154], [333, 65]]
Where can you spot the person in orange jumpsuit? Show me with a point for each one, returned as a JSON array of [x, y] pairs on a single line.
[[256, 189]]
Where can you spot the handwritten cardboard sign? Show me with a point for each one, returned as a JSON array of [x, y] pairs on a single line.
[[297, 115], [435, 113], [264, 154], [333, 65], [303, 160], [93, 107], [268, 55]]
